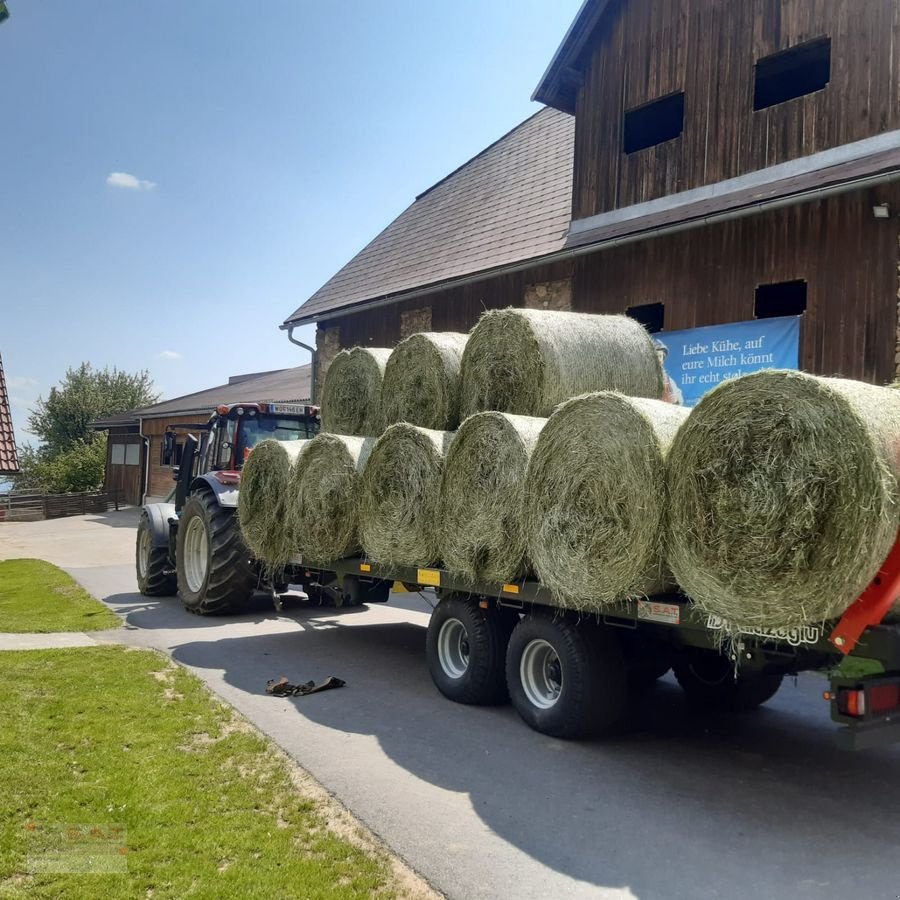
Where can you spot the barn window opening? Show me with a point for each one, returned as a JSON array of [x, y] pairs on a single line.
[[176, 454], [654, 123], [650, 315], [792, 73], [786, 298]]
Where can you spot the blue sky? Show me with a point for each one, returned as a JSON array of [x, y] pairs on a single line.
[[179, 176]]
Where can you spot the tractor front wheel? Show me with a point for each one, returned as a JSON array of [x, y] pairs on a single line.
[[215, 575]]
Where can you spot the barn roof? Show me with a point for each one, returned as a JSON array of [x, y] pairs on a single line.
[[508, 204], [9, 463], [282, 384]]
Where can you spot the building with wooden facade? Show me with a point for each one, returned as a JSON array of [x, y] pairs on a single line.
[[9, 463], [698, 162], [134, 452]]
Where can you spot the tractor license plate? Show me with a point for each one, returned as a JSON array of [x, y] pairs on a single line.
[[651, 611]]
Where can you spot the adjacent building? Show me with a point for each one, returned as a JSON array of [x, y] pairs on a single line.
[[9, 463], [698, 162]]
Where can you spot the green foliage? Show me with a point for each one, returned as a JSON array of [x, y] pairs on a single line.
[[86, 394], [36, 596], [80, 468]]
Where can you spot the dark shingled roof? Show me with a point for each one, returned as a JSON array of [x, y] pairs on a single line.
[[9, 463], [283, 384], [510, 203]]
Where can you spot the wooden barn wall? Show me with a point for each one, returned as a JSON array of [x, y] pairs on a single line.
[[708, 49], [160, 481], [456, 309], [709, 276]]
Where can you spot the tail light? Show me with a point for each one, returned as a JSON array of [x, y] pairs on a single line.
[[868, 700]]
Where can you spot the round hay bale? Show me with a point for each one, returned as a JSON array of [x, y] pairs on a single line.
[[323, 497], [784, 497], [481, 525], [261, 501], [421, 381], [351, 396], [400, 496], [527, 361], [595, 499]]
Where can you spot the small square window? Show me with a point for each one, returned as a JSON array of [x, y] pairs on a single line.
[[132, 454], [650, 315], [117, 455], [655, 123], [787, 298], [792, 73]]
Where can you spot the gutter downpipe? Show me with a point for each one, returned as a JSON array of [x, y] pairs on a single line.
[[742, 212], [312, 362]]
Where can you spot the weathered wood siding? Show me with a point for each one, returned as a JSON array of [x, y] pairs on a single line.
[[709, 276], [708, 49], [160, 481]]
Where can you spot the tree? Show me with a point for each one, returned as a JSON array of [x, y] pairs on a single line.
[[85, 394], [72, 457]]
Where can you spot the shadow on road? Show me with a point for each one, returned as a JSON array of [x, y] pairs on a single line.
[[677, 801]]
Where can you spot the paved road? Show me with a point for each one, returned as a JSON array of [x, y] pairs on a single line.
[[679, 806]]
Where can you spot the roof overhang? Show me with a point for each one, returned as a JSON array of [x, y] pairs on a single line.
[[560, 83]]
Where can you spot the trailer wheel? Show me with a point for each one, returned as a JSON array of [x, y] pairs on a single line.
[[465, 648], [213, 566], [709, 681], [154, 575], [566, 680]]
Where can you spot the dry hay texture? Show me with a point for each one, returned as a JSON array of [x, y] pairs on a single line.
[[262, 509], [400, 496], [595, 499], [481, 529], [527, 361], [323, 497], [421, 381], [784, 497], [351, 396]]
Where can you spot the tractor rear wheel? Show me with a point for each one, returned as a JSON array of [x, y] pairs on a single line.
[[154, 575], [215, 575]]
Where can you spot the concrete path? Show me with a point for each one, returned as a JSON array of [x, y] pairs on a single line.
[[679, 806], [53, 641]]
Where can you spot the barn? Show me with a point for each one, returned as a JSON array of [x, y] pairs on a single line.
[[696, 163]]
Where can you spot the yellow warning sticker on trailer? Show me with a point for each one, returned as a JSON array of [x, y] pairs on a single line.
[[365, 567], [429, 576], [510, 589]]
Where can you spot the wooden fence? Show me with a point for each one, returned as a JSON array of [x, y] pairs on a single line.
[[30, 506]]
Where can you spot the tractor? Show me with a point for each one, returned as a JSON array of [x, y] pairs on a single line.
[[193, 546]]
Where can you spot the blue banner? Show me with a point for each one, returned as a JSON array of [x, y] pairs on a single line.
[[698, 359]]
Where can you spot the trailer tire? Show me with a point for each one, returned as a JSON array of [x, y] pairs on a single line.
[[214, 572], [155, 577], [465, 648], [708, 680], [566, 680]]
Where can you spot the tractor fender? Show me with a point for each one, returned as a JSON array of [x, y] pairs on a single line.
[[225, 494], [158, 515]]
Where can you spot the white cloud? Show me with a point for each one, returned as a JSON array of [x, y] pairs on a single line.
[[169, 354], [129, 182]]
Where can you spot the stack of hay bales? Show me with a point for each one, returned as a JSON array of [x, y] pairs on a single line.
[[323, 497], [527, 361], [351, 395], [262, 502], [481, 524], [400, 496], [595, 499], [421, 381], [784, 497]]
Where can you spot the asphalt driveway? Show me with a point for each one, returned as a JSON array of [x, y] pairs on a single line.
[[759, 805]]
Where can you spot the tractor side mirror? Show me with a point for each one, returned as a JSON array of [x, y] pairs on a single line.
[[168, 448]]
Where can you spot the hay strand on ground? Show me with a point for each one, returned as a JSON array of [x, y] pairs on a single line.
[[400, 496], [421, 381], [351, 396], [262, 510], [482, 491], [595, 499], [323, 497], [527, 361], [784, 497]]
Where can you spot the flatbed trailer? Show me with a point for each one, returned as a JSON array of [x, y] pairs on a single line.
[[571, 673]]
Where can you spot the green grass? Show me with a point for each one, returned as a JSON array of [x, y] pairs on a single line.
[[37, 596], [115, 737]]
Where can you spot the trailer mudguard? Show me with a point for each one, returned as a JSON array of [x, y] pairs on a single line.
[[158, 515]]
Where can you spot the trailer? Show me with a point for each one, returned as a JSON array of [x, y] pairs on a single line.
[[571, 674]]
